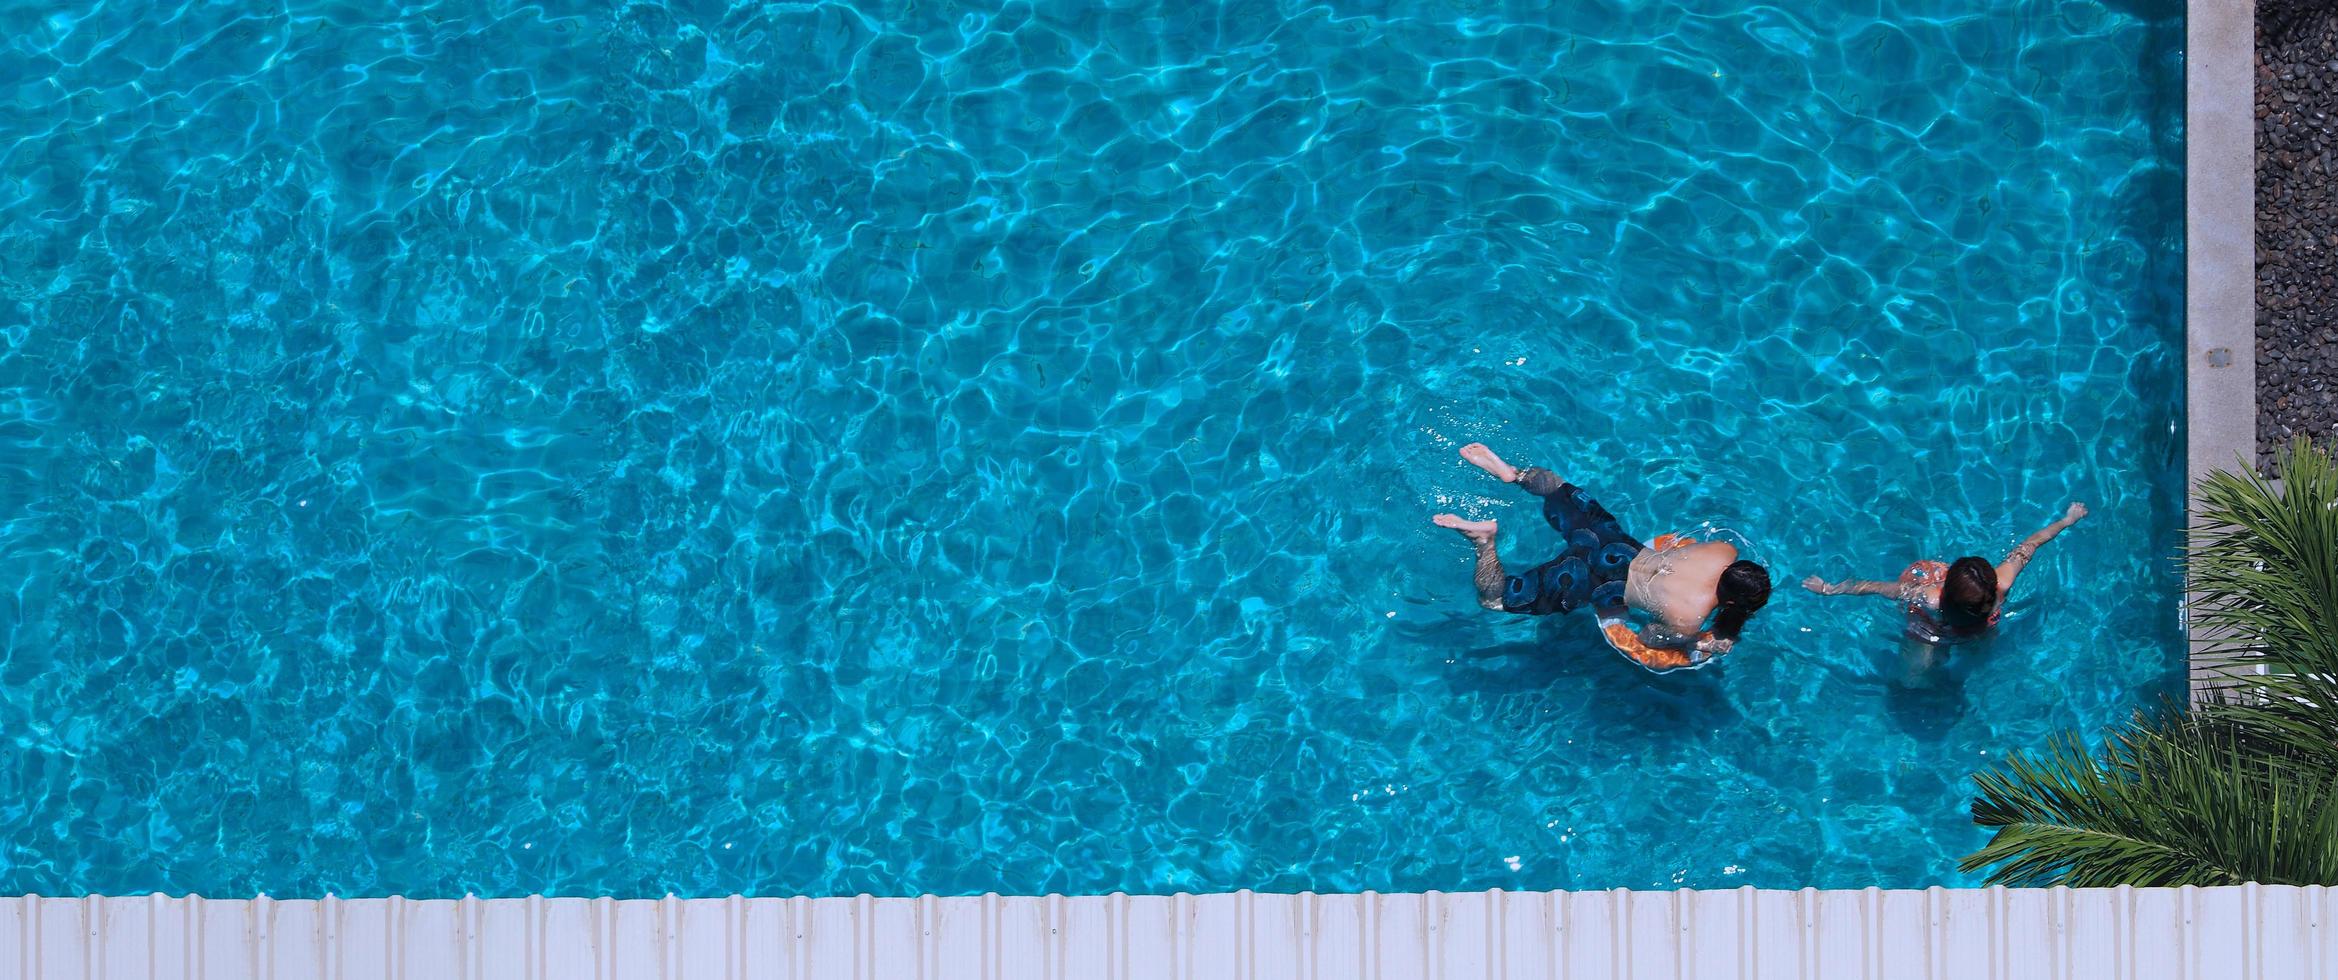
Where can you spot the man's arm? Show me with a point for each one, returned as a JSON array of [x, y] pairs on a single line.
[[2019, 557]]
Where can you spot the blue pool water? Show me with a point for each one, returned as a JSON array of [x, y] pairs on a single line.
[[960, 447]]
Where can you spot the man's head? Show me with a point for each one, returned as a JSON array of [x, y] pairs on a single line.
[[1744, 589], [1969, 593]]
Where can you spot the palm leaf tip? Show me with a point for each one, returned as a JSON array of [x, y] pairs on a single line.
[[2242, 787]]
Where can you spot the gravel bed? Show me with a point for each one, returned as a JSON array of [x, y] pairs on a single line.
[[2297, 222]]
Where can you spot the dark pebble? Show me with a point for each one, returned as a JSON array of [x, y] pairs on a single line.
[[2297, 226]]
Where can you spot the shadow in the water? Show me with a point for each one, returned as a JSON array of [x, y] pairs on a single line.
[[2157, 11], [2143, 212], [1567, 653], [1925, 694], [1926, 712]]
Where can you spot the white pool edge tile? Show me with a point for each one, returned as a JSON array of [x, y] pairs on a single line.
[[2246, 932]]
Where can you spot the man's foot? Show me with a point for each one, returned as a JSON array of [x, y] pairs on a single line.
[[1484, 458], [1475, 531]]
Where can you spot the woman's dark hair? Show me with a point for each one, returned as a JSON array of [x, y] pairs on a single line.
[[1969, 593], [1744, 590]]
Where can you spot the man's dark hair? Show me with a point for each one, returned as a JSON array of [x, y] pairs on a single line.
[[1743, 591]]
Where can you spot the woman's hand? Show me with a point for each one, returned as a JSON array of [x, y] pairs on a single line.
[[1711, 647], [2019, 558], [1818, 585]]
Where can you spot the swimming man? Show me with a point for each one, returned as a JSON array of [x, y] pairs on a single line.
[[1678, 582]]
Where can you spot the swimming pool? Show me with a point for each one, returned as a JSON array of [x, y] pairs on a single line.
[[953, 448]]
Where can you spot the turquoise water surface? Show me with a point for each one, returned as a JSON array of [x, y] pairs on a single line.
[[915, 446]]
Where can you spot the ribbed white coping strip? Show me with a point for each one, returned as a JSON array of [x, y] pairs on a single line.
[[2248, 932]]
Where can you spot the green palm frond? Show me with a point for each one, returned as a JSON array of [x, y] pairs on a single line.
[[2171, 800], [2263, 565], [2245, 786]]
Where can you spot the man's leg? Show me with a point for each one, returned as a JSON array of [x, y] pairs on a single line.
[[1489, 579], [1565, 506], [1484, 459], [1558, 498]]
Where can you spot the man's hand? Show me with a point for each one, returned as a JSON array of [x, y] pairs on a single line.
[[2077, 510], [1818, 585]]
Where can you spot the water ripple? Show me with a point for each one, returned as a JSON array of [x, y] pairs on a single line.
[[907, 446]]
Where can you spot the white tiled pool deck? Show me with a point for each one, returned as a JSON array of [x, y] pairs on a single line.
[[2246, 932]]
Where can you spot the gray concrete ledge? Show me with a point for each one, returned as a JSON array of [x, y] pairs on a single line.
[[2220, 257]]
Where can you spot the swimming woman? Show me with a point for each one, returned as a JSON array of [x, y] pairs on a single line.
[[1677, 581], [1957, 601]]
